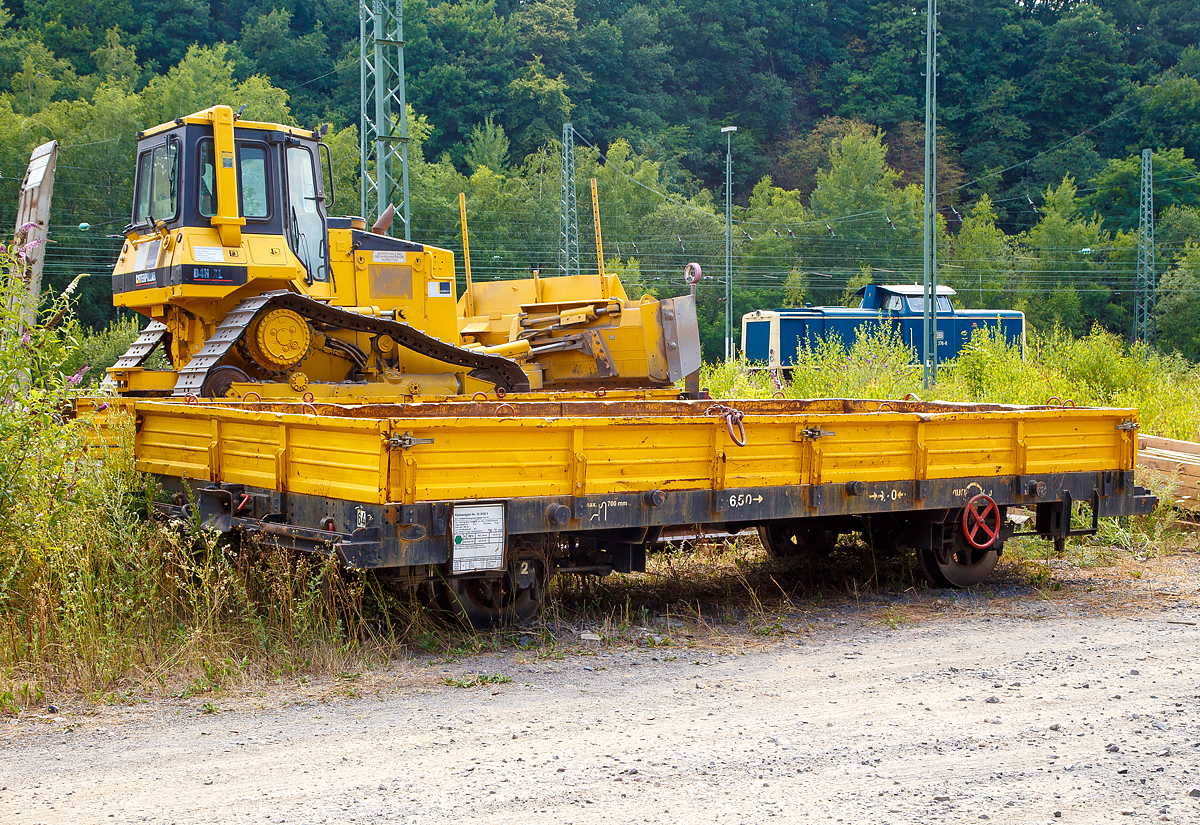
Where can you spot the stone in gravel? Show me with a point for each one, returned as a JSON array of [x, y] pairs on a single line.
[[1058, 814], [1111, 748], [1194, 792], [1134, 672], [992, 700], [589, 636], [941, 799]]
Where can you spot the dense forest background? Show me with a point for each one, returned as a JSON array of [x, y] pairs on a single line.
[[1044, 109]]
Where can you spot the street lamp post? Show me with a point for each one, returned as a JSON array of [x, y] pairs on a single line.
[[728, 132]]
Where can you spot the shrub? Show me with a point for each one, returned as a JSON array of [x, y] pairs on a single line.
[[94, 596], [97, 350]]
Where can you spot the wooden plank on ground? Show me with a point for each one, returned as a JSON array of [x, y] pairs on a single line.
[[1156, 442], [1176, 458], [1186, 472]]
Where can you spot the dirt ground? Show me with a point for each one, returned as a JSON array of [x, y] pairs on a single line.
[[1019, 705]]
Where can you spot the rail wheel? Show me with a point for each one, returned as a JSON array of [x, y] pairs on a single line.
[[958, 566], [220, 379], [490, 602], [794, 540], [972, 550]]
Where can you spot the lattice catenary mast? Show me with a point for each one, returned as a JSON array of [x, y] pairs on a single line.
[[383, 137], [568, 223], [1144, 325]]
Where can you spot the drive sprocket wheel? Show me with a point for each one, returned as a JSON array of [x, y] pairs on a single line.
[[280, 339]]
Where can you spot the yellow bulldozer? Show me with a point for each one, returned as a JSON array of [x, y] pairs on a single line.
[[252, 289]]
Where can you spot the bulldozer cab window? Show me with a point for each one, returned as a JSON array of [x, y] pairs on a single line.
[[306, 224], [156, 193], [252, 180]]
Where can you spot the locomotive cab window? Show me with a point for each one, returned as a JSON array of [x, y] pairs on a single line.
[[942, 304], [156, 192], [252, 180]]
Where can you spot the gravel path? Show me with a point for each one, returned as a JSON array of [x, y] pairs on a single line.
[[1066, 715]]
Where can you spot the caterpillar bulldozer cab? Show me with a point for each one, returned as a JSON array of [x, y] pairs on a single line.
[[252, 287]]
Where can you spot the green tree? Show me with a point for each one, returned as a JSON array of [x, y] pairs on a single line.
[[461, 65], [538, 105], [1065, 281], [290, 60], [488, 146], [861, 218], [205, 77], [41, 79], [983, 260], [1167, 112], [549, 31], [1080, 66], [798, 159], [116, 64], [1174, 228], [1117, 187], [1178, 307]]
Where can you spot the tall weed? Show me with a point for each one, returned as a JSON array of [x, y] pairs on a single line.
[[97, 598], [1099, 369]]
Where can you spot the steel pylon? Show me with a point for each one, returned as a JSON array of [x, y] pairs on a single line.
[[1144, 325], [568, 224], [383, 136]]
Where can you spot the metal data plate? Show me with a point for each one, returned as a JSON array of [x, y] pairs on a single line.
[[477, 537], [681, 335]]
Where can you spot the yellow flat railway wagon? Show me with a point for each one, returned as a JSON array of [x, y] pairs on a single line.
[[483, 501], [329, 388]]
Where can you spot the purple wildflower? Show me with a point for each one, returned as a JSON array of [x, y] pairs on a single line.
[[25, 338], [30, 247], [72, 380]]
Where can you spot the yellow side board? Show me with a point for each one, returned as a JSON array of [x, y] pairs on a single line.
[[545, 449]]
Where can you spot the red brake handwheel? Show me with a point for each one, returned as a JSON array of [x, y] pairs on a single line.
[[981, 522]]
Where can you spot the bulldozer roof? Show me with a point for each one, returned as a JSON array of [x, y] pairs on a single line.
[[205, 117]]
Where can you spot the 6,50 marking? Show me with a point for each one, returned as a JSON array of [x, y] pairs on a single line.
[[743, 499]]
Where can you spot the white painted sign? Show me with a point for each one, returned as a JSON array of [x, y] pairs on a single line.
[[390, 257], [477, 531], [208, 254]]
